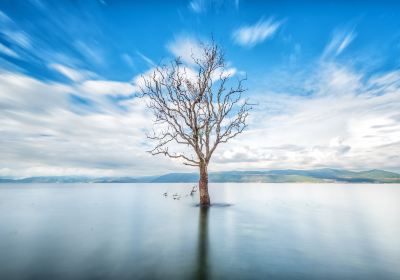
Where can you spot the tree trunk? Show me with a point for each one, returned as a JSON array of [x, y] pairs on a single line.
[[203, 185]]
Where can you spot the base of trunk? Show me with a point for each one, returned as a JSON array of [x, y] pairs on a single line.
[[204, 198], [203, 186]]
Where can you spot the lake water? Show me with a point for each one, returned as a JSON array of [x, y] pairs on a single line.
[[255, 231]]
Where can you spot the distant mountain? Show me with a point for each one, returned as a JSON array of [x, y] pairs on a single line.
[[270, 176]]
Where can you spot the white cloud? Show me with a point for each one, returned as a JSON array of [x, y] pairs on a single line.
[[343, 126], [339, 42], [128, 60], [354, 127], [201, 6], [7, 51], [228, 72], [107, 87], [333, 79], [185, 47], [146, 59], [4, 18], [91, 53], [70, 73], [19, 38], [251, 35], [13, 35], [197, 6], [347, 120], [19, 92], [188, 48], [41, 133]]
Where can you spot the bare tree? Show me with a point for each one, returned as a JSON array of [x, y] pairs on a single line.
[[199, 106]]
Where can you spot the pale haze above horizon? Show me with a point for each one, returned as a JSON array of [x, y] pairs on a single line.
[[325, 77]]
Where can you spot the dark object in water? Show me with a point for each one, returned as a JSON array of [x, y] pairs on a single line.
[[194, 189]]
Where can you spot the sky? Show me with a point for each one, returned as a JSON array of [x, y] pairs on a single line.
[[325, 76]]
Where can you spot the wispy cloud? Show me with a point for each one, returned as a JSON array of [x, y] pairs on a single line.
[[107, 87], [186, 47], [350, 121], [4, 18], [19, 38], [40, 124], [339, 42], [197, 6], [201, 6], [149, 61], [91, 53], [328, 114], [70, 73], [251, 35], [128, 60], [7, 51]]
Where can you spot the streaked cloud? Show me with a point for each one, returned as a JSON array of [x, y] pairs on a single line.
[[67, 102], [201, 6], [91, 53], [7, 51], [128, 60], [108, 87], [186, 47], [339, 42], [197, 6], [350, 121], [19, 38], [43, 133], [251, 35], [70, 73], [146, 59], [4, 18]]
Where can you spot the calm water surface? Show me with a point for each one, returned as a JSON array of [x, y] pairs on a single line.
[[256, 231]]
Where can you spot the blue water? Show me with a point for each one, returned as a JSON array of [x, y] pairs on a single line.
[[254, 231]]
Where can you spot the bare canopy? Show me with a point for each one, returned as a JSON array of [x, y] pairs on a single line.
[[196, 105]]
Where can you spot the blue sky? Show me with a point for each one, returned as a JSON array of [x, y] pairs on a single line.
[[325, 74]]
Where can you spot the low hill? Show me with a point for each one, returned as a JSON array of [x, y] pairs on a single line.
[[269, 176]]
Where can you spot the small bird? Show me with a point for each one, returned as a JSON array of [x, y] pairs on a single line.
[[165, 194]]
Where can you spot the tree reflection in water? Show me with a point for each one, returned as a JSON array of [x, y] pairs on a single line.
[[202, 245]]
